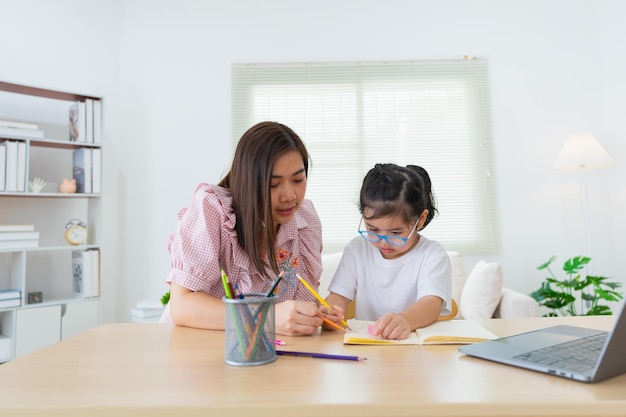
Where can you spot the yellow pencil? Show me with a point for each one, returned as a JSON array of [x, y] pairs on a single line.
[[333, 325], [319, 298]]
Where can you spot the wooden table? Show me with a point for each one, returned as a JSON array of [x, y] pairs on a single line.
[[130, 369]]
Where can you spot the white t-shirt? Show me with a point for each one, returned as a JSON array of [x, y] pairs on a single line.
[[391, 285]]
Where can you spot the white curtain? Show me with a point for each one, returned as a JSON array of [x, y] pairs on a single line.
[[352, 115]]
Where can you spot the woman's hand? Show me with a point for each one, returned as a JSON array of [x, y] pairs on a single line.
[[297, 318]]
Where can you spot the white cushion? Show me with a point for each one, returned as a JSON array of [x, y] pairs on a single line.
[[458, 277], [514, 304], [482, 291]]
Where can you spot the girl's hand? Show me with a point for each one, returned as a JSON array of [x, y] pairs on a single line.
[[334, 314], [392, 326], [297, 318]]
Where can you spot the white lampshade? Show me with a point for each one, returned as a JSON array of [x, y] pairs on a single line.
[[582, 151]]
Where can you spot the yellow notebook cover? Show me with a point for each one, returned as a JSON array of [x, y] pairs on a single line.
[[454, 332]]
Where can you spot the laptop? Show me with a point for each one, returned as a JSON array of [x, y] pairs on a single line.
[[572, 352]]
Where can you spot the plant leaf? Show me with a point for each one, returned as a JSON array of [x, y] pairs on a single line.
[[560, 296], [547, 264], [575, 264], [599, 311]]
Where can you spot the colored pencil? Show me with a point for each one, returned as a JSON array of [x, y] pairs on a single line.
[[258, 332], [226, 284], [319, 355], [334, 325], [248, 320], [233, 311], [319, 298], [275, 284]]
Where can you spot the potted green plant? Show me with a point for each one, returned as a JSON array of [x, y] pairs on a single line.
[[165, 298], [576, 295]]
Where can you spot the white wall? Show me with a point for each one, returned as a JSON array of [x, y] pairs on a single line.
[[164, 66]]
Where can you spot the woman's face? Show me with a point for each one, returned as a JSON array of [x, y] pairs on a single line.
[[287, 187]]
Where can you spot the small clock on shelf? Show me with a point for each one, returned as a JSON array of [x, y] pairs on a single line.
[[76, 232]]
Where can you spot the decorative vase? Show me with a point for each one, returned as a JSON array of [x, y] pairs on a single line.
[[68, 186]]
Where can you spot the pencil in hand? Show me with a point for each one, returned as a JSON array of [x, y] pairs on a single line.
[[321, 300], [333, 325]]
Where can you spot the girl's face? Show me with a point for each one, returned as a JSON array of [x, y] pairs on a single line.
[[287, 187], [393, 226]]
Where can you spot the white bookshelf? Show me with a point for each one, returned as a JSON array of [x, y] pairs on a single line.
[[47, 268]]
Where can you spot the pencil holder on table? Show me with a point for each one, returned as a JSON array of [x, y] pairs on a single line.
[[250, 330]]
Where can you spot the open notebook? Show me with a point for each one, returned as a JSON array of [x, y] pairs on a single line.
[[451, 332]]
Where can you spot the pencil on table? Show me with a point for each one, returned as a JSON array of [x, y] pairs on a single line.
[[320, 355]]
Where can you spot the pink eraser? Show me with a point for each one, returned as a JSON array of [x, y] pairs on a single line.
[[372, 329]]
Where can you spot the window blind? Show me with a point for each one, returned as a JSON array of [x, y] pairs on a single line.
[[352, 115]]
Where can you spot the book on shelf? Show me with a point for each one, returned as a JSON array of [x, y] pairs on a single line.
[[89, 120], [17, 227], [95, 272], [15, 166], [21, 166], [148, 308], [19, 244], [81, 269], [454, 332], [11, 166], [144, 313], [97, 121], [10, 294], [78, 122], [26, 133], [86, 273], [10, 302], [96, 170], [18, 125], [3, 165], [150, 303], [5, 348], [82, 169], [18, 235]]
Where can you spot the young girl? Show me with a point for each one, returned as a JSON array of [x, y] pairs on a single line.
[[254, 224], [399, 278]]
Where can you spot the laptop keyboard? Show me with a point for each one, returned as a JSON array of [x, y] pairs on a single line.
[[577, 355]]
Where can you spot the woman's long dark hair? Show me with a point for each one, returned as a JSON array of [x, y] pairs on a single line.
[[249, 181]]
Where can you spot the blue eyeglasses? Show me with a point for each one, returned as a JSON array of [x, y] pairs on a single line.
[[390, 239]]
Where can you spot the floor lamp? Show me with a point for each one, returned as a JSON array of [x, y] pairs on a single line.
[[582, 153]]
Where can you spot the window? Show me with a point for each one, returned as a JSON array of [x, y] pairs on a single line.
[[435, 114]]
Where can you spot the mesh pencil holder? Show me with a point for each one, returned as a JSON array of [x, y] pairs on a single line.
[[250, 330]]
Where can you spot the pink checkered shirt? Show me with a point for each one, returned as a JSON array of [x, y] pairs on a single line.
[[205, 240]]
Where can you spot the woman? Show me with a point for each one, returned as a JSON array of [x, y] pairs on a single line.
[[255, 223]]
